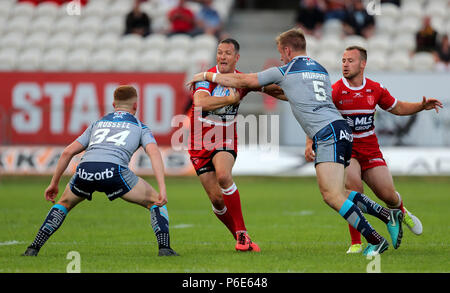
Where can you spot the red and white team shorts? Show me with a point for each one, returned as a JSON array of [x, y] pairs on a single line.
[[368, 155]]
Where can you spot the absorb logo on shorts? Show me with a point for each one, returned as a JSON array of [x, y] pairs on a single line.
[[89, 176]]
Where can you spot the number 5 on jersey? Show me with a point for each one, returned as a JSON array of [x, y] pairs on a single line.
[[321, 95], [118, 139]]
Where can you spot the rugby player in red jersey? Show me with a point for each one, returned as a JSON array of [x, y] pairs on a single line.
[[356, 97], [213, 142]]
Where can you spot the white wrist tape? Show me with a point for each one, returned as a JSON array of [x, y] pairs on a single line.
[[214, 77]]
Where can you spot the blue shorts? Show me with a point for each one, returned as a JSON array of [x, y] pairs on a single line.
[[333, 143], [112, 179]]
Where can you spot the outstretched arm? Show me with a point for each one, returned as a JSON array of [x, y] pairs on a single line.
[[408, 108], [69, 152], [153, 152], [235, 80]]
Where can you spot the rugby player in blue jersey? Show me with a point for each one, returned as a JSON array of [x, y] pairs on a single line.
[[109, 144], [307, 88]]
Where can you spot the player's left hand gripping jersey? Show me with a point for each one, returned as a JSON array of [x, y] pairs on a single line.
[[114, 138], [357, 106], [224, 117]]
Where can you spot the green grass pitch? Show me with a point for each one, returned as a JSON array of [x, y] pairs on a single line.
[[295, 229]]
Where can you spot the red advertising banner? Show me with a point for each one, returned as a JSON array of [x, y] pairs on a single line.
[[55, 108]]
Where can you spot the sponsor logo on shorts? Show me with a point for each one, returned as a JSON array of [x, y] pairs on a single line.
[[88, 176], [115, 193], [345, 135]]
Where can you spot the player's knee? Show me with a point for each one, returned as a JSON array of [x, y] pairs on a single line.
[[224, 179], [330, 198]]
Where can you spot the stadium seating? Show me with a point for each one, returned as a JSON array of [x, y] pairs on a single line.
[[29, 32]]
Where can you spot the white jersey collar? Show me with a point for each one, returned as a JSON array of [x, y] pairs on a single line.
[[217, 69], [344, 80]]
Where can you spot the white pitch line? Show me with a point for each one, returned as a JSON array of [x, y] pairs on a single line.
[[182, 226], [13, 242]]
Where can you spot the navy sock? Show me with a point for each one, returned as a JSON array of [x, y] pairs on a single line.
[[159, 217], [370, 207], [52, 222], [350, 212]]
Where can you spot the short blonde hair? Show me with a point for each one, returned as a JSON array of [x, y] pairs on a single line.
[[293, 38], [362, 51]]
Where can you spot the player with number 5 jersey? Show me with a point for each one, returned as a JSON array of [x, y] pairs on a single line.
[[307, 88], [109, 144]]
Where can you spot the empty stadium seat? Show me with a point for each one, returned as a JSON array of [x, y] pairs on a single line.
[[329, 59], [8, 58], [113, 24], [183, 42], [19, 24], [29, 60], [332, 43], [436, 8], [155, 41], [409, 25], [150, 61], [101, 60], [312, 44], [355, 40], [204, 41], [439, 24], [390, 10], [90, 24], [412, 9], [60, 40], [23, 9], [376, 61], [77, 60], [67, 24], [332, 27], [5, 8], [423, 61], [36, 40], [379, 43], [42, 24], [160, 23], [175, 61], [84, 41], [398, 61], [404, 42], [119, 8], [107, 41], [46, 9], [53, 60], [385, 25], [96, 8], [201, 60], [126, 60], [131, 41], [13, 40]]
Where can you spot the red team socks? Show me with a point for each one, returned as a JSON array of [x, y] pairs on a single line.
[[226, 218], [233, 203]]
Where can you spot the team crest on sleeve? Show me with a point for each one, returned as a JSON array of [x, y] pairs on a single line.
[[204, 84]]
